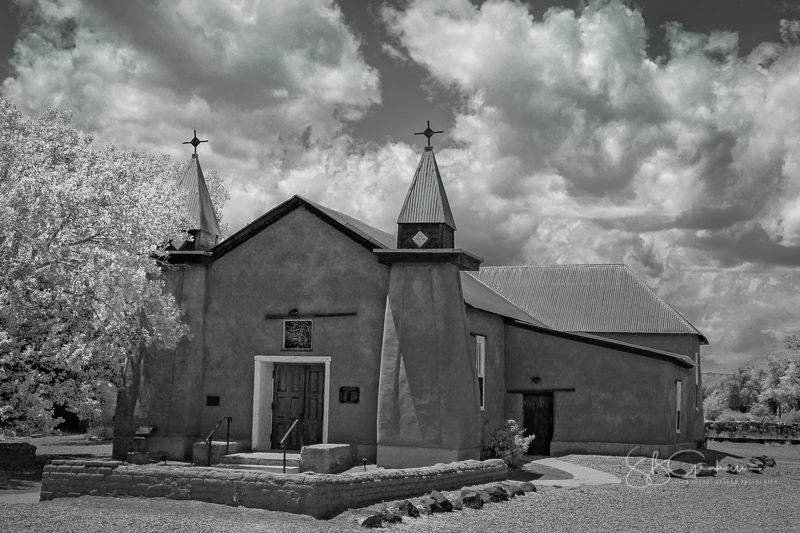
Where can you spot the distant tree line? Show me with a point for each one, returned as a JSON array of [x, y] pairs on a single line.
[[771, 392]]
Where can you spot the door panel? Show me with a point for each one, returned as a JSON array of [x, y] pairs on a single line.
[[315, 389], [538, 420], [298, 394], [287, 404]]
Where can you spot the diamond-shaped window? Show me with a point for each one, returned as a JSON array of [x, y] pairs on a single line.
[[420, 239]]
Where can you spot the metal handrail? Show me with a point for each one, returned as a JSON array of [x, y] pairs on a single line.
[[227, 437], [283, 442]]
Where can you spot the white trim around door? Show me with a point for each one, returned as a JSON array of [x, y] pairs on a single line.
[[262, 394]]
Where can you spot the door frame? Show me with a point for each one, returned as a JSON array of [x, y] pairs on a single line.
[[263, 392]]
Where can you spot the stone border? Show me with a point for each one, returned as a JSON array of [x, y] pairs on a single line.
[[318, 495]]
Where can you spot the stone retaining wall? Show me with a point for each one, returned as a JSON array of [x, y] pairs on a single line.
[[318, 495], [17, 455], [753, 431]]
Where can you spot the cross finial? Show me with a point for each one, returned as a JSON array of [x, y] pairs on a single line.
[[195, 142], [428, 132]]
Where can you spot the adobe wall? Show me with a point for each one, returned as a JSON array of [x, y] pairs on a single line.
[[490, 326], [620, 399], [318, 495], [299, 262], [688, 345]]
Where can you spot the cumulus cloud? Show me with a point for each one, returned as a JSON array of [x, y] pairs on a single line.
[[262, 80], [583, 149], [572, 145]]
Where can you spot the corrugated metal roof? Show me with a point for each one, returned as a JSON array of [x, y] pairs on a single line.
[[198, 200], [477, 294], [380, 237], [587, 298], [426, 201]]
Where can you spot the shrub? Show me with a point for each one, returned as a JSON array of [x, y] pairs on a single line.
[[506, 442], [791, 417], [761, 412], [100, 433], [714, 404], [729, 415]]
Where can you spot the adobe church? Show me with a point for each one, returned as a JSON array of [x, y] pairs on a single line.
[[403, 345]]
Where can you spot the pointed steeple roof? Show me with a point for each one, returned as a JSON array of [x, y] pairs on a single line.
[[198, 200], [426, 201]]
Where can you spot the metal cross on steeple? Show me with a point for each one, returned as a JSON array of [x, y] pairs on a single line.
[[428, 132], [195, 141]]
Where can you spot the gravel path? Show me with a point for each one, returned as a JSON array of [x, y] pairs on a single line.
[[89, 514], [764, 503]]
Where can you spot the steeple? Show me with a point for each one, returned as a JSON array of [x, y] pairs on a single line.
[[426, 220], [204, 224]]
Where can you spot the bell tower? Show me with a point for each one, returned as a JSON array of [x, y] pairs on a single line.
[[426, 221], [204, 224], [428, 399]]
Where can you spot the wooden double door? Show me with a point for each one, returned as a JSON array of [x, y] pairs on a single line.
[[538, 420], [298, 394]]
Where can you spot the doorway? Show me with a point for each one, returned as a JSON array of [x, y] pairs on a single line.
[[265, 379], [298, 394], [538, 420]]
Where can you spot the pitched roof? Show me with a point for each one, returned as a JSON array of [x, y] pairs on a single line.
[[480, 296], [426, 201], [587, 298], [198, 200], [380, 237]]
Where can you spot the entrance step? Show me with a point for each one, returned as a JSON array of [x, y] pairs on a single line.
[[270, 469], [262, 459]]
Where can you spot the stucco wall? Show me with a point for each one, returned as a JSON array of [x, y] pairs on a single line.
[[490, 326], [688, 345], [618, 398], [298, 262], [169, 381]]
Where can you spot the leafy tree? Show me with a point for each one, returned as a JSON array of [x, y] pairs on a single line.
[[715, 403], [80, 288], [743, 388], [777, 390]]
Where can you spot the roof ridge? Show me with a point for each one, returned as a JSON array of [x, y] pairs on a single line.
[[326, 208], [662, 301]]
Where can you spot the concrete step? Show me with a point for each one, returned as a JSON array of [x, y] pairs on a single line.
[[270, 469], [261, 458]]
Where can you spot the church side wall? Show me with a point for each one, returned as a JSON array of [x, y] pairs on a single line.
[[688, 345], [620, 399], [490, 326], [299, 262]]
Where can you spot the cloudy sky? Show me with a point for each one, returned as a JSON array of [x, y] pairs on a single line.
[[663, 134]]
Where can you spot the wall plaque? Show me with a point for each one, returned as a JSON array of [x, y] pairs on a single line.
[[348, 394]]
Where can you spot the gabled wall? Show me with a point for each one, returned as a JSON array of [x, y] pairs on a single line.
[[298, 262]]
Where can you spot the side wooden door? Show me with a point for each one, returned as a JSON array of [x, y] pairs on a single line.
[[538, 420]]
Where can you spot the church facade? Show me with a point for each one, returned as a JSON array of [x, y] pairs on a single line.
[[403, 346]]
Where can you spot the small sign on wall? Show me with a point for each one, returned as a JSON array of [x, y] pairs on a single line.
[[348, 394]]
